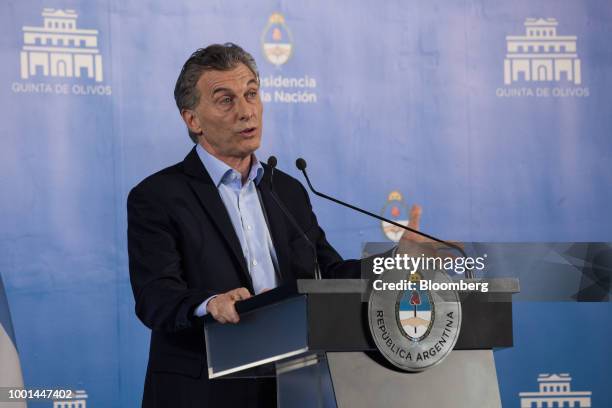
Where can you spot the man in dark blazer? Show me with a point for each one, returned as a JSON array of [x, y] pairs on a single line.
[[188, 243]]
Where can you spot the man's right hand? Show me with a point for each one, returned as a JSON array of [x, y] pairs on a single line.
[[222, 308]]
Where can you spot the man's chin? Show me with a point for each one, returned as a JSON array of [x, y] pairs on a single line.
[[244, 152], [251, 146], [245, 147]]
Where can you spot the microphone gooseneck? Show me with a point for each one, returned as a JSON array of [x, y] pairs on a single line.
[[272, 163], [301, 165]]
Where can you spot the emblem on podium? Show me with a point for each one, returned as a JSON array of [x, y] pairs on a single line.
[[414, 328]]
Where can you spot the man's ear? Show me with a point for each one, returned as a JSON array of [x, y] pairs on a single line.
[[192, 121]]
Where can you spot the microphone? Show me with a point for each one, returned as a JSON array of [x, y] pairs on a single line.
[[272, 163], [301, 165]]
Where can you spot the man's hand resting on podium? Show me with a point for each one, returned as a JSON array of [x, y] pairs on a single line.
[[222, 307]]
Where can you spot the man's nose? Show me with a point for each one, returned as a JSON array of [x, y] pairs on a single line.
[[245, 109]]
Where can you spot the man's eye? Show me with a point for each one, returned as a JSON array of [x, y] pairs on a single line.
[[252, 94], [225, 101]]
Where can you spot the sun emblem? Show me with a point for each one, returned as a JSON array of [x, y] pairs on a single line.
[[276, 40], [397, 210]]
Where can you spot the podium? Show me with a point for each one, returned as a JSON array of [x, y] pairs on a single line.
[[314, 337]]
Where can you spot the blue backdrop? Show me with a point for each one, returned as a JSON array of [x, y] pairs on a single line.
[[403, 96]]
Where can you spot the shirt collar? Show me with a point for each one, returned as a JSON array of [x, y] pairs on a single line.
[[219, 171]]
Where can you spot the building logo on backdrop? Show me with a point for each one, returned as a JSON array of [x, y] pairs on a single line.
[[542, 63], [414, 329], [555, 391], [397, 210], [57, 50], [277, 47], [77, 400]]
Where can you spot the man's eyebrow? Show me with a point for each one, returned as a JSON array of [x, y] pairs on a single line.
[[222, 90], [251, 81]]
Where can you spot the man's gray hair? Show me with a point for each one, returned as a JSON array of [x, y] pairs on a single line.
[[217, 57]]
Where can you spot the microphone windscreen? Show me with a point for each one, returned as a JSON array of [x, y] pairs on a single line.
[[272, 161], [300, 164]]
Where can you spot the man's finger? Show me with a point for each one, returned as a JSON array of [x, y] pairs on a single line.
[[243, 293], [415, 217], [232, 315], [226, 316], [228, 311], [215, 313]]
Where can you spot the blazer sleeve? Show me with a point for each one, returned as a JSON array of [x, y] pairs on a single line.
[[163, 299]]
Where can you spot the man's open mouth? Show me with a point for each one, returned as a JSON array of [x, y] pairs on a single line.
[[248, 131]]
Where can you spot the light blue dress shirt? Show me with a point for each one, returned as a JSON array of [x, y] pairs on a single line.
[[245, 212]]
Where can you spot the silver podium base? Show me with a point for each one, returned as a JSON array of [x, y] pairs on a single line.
[[466, 378]]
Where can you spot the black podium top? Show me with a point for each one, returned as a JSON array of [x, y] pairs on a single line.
[[331, 315]]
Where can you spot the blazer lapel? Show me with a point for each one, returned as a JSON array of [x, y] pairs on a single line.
[[209, 197], [278, 227]]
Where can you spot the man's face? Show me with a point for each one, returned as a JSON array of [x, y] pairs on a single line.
[[229, 113]]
